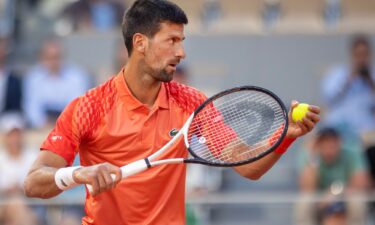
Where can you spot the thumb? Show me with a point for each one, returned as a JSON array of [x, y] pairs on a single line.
[[294, 104]]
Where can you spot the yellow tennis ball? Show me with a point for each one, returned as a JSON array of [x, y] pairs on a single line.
[[300, 111]]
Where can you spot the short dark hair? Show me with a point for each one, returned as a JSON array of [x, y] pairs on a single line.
[[145, 16], [358, 40], [327, 132]]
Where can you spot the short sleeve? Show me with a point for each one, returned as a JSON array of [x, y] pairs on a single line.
[[64, 139]]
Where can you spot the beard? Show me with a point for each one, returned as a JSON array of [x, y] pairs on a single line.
[[163, 76]]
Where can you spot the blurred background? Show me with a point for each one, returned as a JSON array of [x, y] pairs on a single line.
[[314, 51]]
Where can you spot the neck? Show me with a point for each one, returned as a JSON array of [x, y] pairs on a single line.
[[141, 84]]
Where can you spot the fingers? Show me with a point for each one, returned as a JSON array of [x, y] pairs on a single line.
[[309, 125], [118, 174], [314, 109], [308, 122], [95, 186], [102, 183], [304, 128], [313, 117], [99, 177], [107, 179], [294, 104]]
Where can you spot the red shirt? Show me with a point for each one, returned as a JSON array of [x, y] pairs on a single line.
[[108, 124]]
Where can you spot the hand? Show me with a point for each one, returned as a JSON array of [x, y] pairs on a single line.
[[98, 176], [300, 128]]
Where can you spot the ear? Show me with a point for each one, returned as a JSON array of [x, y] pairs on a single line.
[[139, 42]]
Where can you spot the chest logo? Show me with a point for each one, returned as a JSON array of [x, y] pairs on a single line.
[[173, 132]]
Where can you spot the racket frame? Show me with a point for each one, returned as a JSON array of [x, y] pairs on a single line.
[[199, 160]]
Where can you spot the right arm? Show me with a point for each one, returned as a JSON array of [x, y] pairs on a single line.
[[58, 152], [40, 181]]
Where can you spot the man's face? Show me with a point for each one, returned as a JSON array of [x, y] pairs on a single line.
[[329, 149], [51, 56], [361, 56], [164, 51], [13, 141]]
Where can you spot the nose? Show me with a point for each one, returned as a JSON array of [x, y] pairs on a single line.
[[180, 53]]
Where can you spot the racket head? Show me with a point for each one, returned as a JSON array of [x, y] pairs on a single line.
[[238, 110]]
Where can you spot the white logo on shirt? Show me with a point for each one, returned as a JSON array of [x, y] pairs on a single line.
[[56, 137]]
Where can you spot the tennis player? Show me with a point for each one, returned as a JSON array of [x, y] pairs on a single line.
[[127, 118]]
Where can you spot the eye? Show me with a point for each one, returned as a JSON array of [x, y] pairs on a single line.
[[173, 40]]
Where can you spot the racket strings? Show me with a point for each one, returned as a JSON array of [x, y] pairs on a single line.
[[235, 127], [252, 150], [239, 118], [227, 156]]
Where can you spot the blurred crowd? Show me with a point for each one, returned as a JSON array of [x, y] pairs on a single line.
[[335, 161]]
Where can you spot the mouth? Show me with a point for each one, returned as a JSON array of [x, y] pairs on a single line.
[[173, 65]]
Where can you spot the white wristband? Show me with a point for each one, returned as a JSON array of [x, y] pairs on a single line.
[[64, 178]]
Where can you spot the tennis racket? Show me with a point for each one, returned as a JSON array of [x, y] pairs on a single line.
[[232, 128]]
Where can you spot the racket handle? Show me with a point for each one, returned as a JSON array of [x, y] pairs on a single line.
[[128, 170]]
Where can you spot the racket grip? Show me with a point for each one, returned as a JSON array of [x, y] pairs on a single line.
[[128, 170]]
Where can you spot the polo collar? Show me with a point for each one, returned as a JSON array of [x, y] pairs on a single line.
[[132, 102]]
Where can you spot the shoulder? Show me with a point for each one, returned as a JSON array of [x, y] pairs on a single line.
[[185, 96], [97, 100], [88, 109]]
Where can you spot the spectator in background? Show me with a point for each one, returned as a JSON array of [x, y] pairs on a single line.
[[349, 90], [14, 164], [10, 83], [51, 85], [271, 13], [337, 173], [120, 58], [100, 15]]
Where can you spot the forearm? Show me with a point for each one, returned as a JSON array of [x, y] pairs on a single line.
[[40, 183], [359, 182], [256, 169], [308, 179]]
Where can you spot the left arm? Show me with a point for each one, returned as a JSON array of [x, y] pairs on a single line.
[[258, 168]]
